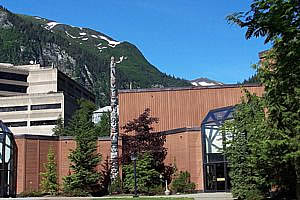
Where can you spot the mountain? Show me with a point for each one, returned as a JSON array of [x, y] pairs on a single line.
[[204, 82], [82, 53]]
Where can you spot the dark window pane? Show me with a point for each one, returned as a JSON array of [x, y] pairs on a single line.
[[13, 108], [16, 124], [43, 122], [46, 106], [13, 76], [13, 88]]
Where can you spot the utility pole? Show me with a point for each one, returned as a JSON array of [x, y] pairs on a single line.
[[114, 131]]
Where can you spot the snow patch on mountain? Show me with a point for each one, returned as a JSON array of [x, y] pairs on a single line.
[[68, 34], [121, 59], [51, 25], [204, 82], [111, 43], [82, 33]]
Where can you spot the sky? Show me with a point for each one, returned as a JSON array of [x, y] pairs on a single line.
[[185, 38]]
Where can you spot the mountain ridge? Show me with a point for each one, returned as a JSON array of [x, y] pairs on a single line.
[[82, 53]]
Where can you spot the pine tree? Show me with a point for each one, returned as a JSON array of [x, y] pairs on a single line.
[[103, 127], [49, 177], [59, 129], [84, 179]]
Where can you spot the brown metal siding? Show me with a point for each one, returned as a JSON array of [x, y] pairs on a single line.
[[185, 151], [32, 156], [178, 109], [181, 108]]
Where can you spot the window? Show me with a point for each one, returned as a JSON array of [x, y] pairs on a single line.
[[46, 106], [13, 88], [43, 123], [13, 76], [13, 108], [16, 124]]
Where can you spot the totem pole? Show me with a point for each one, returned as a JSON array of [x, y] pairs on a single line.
[[114, 133]]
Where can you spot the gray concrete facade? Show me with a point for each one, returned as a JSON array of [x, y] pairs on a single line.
[[32, 98]]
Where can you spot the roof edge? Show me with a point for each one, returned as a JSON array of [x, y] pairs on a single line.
[[188, 88]]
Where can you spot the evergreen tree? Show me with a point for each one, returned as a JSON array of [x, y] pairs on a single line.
[[84, 179], [81, 117], [49, 177], [59, 129], [103, 126]]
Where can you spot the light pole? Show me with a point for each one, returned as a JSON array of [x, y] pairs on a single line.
[[133, 158]]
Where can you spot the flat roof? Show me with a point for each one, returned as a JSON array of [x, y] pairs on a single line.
[[6, 67], [188, 88]]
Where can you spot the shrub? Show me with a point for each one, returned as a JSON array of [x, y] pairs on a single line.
[[31, 194], [147, 176], [116, 186], [182, 183]]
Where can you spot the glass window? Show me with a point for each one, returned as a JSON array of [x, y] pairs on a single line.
[[13, 76], [8, 162], [16, 124], [43, 123], [13, 108], [46, 106], [13, 88]]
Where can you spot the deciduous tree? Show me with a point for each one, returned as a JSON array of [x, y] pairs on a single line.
[[278, 21]]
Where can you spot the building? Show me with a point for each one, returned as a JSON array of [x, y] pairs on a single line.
[[190, 118], [96, 118], [32, 98]]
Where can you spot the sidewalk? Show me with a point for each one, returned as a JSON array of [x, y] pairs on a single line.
[[197, 196]]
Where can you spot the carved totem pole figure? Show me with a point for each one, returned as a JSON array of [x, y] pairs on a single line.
[[114, 134]]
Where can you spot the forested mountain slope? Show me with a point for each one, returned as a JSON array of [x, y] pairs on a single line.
[[82, 53]]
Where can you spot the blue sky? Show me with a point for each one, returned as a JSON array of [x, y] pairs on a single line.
[[185, 38]]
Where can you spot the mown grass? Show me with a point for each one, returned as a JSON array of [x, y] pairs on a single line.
[[150, 198]]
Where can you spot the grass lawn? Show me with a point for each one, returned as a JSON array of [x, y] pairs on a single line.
[[151, 198]]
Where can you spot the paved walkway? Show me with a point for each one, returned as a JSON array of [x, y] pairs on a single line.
[[198, 196]]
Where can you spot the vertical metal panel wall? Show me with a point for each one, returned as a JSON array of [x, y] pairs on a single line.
[[179, 107]]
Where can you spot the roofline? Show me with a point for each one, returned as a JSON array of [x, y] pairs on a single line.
[[52, 137], [76, 83], [188, 88]]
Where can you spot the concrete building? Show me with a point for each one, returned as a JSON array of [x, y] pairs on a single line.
[[32, 98]]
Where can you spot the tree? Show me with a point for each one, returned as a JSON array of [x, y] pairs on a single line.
[[84, 179], [139, 139], [59, 129], [147, 177], [103, 126], [81, 117], [49, 177], [245, 149], [278, 21]]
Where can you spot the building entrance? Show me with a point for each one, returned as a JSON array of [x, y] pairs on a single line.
[[215, 168], [216, 177]]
